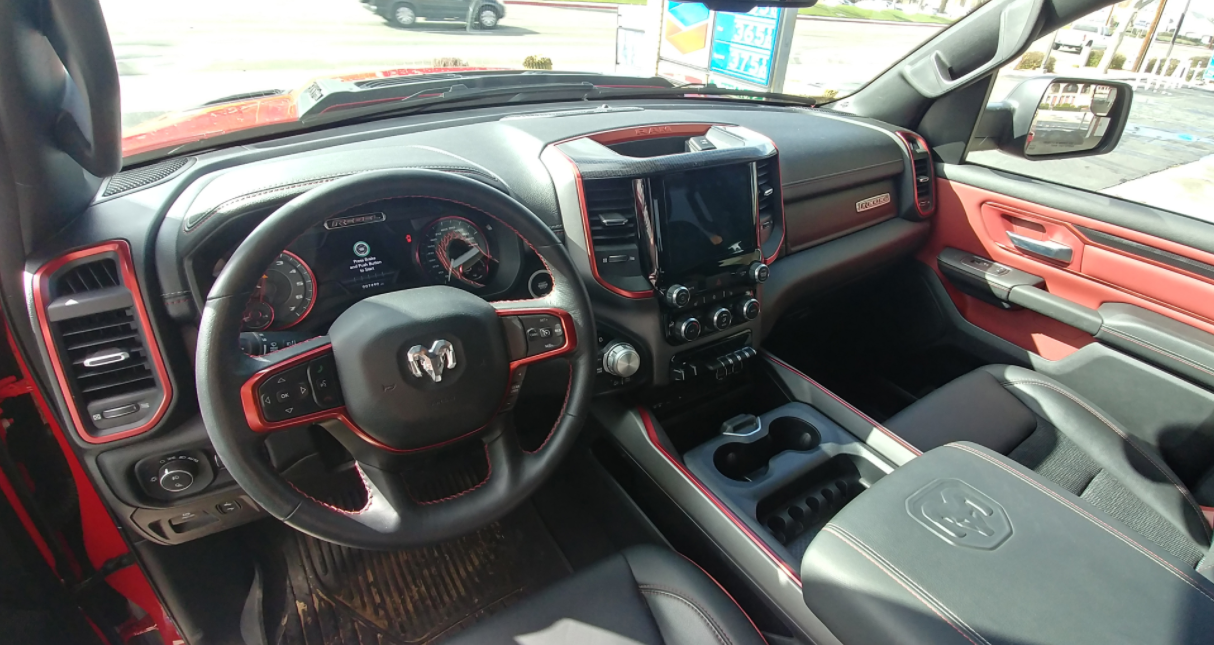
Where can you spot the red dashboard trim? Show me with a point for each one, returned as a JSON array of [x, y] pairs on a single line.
[[652, 434], [40, 290], [624, 135], [594, 268]]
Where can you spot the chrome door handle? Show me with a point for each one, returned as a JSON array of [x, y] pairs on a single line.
[[1043, 248]]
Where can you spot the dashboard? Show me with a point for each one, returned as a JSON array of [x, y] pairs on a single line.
[[673, 212]]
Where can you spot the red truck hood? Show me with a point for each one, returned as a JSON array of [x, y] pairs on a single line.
[[200, 123]]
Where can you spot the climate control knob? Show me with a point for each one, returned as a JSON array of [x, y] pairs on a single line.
[[721, 318], [678, 296], [758, 272], [621, 359], [177, 475], [687, 329], [747, 309]]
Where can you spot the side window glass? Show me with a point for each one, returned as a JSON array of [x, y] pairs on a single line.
[[1165, 158]]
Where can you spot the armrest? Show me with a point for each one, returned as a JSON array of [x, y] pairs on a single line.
[[1157, 339], [964, 546]]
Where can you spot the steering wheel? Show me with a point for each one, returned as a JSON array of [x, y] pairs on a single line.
[[415, 369]]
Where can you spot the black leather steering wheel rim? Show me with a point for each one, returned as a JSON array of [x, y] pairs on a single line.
[[391, 519]]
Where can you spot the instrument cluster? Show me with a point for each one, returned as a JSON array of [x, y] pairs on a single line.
[[385, 247]]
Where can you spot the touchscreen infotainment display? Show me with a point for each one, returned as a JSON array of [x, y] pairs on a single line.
[[705, 217]]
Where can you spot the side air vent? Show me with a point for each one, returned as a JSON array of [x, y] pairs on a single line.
[[611, 219], [93, 276], [923, 176], [136, 178], [767, 174], [105, 357]]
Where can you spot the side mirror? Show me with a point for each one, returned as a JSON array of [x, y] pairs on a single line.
[[1051, 117]]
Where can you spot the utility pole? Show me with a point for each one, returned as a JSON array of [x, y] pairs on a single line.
[[1146, 42], [1175, 33]]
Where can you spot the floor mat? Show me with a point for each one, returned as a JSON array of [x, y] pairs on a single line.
[[340, 596]]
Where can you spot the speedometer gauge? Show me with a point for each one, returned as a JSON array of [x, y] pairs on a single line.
[[455, 251], [283, 296]]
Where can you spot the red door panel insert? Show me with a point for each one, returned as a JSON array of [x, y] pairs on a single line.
[[978, 220]]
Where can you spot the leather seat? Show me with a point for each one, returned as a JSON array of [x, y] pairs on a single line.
[[644, 595], [1039, 423]]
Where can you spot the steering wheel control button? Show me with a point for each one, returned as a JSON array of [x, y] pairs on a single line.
[[678, 296], [322, 373], [621, 359], [544, 333], [289, 394], [721, 318], [513, 390], [177, 475]]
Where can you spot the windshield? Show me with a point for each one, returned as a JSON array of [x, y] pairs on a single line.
[[197, 72]]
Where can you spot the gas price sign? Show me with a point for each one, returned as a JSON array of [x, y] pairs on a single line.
[[743, 44]]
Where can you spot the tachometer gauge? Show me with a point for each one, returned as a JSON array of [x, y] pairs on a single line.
[[283, 296], [455, 251]]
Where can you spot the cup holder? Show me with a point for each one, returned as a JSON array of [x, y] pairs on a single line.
[[742, 461]]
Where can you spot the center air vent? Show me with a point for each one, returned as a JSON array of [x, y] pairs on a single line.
[[611, 220], [767, 173], [612, 212], [105, 359]]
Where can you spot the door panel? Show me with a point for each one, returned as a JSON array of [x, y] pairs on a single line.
[[1154, 273]]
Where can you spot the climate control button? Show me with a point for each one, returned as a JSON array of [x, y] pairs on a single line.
[[747, 309], [678, 296], [721, 318], [687, 329]]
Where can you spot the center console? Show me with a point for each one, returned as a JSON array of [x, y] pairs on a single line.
[[788, 470], [678, 223], [962, 545]]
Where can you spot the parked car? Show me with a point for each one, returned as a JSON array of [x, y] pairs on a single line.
[[405, 13], [1084, 34]]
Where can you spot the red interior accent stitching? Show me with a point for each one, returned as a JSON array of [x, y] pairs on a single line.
[[900, 583], [488, 472], [568, 389], [727, 595], [1162, 470], [1092, 518]]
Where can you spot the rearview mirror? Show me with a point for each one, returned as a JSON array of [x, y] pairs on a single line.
[[1052, 117]]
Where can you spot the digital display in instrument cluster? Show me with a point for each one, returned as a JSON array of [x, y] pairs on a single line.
[[364, 253]]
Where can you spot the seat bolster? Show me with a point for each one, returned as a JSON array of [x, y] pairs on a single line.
[[974, 407], [689, 606], [1135, 464]]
